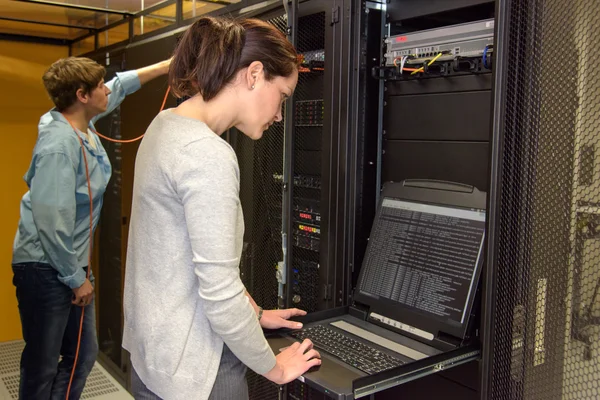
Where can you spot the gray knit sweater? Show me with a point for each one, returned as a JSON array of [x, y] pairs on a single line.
[[183, 293]]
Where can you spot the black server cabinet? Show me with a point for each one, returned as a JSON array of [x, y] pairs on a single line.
[[288, 193], [286, 183], [291, 193], [311, 186], [543, 255], [107, 250]]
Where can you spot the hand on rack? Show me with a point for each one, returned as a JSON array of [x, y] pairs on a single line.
[[275, 319]]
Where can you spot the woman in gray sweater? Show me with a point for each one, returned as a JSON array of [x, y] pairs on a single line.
[[190, 325]]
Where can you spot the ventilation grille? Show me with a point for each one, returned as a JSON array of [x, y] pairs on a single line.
[[259, 388], [10, 357], [99, 385]]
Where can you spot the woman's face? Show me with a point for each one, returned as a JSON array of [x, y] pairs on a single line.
[[265, 102]]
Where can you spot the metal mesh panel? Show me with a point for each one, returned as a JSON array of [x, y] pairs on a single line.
[[308, 141], [261, 170], [547, 314], [260, 192]]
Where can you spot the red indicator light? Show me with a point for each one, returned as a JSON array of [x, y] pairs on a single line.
[[401, 39]]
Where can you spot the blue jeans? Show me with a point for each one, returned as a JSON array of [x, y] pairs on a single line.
[[50, 329]]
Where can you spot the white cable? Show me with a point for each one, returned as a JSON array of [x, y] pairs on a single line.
[[402, 64]]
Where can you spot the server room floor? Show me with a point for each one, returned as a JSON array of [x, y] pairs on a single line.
[[100, 385]]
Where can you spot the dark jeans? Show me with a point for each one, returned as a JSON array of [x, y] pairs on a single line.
[[50, 329]]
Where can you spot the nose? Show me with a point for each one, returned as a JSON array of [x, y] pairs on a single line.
[[108, 91]]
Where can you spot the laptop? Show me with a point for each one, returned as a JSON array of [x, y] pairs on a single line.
[[412, 310]]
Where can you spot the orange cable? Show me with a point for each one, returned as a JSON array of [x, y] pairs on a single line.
[[139, 137]]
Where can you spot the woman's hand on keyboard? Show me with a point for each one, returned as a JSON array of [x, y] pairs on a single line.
[[294, 361]]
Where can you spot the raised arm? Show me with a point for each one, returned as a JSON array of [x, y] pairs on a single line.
[[128, 82], [146, 74]]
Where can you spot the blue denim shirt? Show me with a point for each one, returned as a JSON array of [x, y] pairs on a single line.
[[55, 212]]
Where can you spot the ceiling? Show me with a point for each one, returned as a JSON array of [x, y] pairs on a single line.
[[76, 22]]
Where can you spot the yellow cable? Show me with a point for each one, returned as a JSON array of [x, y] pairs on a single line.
[[430, 62], [434, 58]]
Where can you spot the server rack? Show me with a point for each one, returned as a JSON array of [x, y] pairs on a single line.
[[435, 125]]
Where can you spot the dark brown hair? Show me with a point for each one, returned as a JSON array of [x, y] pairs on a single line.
[[213, 50], [67, 75]]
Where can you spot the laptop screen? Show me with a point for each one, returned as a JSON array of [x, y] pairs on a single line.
[[424, 257]]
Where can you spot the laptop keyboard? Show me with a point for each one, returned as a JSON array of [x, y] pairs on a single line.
[[361, 356]]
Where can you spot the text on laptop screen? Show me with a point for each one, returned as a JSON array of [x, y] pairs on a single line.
[[424, 257]]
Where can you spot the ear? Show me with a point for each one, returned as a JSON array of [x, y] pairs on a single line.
[[254, 73], [82, 96]]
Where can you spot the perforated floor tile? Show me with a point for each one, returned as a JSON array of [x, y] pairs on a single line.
[[99, 385]]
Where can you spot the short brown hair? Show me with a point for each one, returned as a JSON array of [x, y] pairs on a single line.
[[67, 75], [213, 50]]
